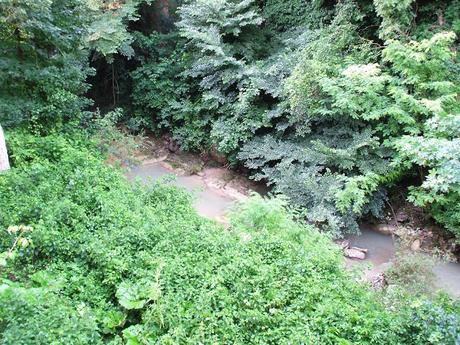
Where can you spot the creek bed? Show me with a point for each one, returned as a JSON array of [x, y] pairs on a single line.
[[214, 203], [381, 250], [209, 202]]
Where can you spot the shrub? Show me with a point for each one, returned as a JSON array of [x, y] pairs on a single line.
[[37, 316], [115, 142], [118, 261], [284, 15], [42, 79]]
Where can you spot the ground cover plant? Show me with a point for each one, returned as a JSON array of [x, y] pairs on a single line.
[[110, 262]]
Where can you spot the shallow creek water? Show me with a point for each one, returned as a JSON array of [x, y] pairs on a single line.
[[213, 202], [381, 250], [209, 202]]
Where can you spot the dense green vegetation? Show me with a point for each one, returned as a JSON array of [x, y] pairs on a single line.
[[332, 103], [108, 262]]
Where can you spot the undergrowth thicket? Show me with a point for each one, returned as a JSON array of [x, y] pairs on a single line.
[[110, 262]]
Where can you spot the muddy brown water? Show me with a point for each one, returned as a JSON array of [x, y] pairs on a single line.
[[213, 202]]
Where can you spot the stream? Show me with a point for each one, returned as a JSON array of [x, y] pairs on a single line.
[[381, 250], [215, 192], [209, 202]]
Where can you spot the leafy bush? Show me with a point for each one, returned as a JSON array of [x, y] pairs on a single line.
[[44, 62], [134, 263], [417, 110], [284, 15], [163, 96], [38, 316], [111, 140], [213, 82], [432, 324], [318, 146], [430, 92]]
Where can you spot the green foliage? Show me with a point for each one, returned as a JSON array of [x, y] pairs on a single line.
[[224, 82], [35, 315], [135, 264], [44, 62], [137, 295], [110, 140], [215, 83], [318, 147], [404, 107], [431, 324], [356, 191], [427, 90], [396, 17], [300, 94], [163, 95], [108, 33], [220, 37], [19, 241], [42, 74], [284, 15], [412, 271], [314, 188]]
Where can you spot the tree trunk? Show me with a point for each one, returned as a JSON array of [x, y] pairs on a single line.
[[4, 162]]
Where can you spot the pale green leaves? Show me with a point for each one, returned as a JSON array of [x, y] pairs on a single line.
[[133, 335], [20, 241], [356, 192], [136, 294], [108, 33], [112, 320], [108, 36]]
